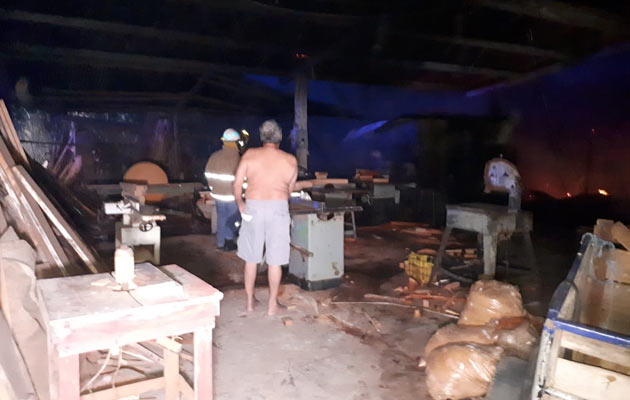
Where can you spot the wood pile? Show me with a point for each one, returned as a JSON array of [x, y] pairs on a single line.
[[32, 213], [366, 175], [445, 299], [36, 241]]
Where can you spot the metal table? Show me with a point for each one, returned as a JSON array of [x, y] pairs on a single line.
[[492, 222]]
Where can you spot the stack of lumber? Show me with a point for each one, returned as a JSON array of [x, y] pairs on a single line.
[[310, 183], [36, 241], [366, 175], [32, 213]]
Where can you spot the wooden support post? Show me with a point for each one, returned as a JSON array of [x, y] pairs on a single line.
[[440, 254], [300, 122], [171, 375], [203, 363], [63, 373]]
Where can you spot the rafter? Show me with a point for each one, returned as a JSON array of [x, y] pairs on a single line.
[[559, 12], [450, 68], [494, 45], [137, 30], [106, 59]]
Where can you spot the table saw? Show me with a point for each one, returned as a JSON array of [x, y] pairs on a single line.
[[317, 243]]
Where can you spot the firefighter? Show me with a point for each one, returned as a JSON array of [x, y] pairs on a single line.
[[220, 170]]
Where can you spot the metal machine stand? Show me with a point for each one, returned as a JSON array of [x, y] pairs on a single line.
[[492, 222], [317, 244], [139, 221]]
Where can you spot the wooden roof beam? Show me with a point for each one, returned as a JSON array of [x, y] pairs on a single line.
[[559, 12], [106, 59], [451, 68], [136, 30], [492, 45]]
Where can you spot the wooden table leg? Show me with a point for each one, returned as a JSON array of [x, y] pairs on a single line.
[[171, 375], [489, 256], [531, 255], [440, 254], [203, 363], [63, 376]]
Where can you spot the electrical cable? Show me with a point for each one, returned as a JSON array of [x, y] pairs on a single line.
[[118, 364], [98, 373]]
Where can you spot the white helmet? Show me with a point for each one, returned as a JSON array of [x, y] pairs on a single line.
[[230, 135]]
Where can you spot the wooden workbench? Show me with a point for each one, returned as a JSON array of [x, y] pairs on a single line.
[[85, 313]]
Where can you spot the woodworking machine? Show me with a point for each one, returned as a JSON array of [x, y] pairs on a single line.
[[138, 226], [317, 243]]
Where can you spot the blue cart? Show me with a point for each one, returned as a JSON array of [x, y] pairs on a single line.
[[585, 345]]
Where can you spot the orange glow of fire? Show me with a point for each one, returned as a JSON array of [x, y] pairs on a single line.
[[602, 192], [568, 194]]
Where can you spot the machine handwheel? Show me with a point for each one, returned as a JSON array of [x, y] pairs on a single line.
[[146, 226]]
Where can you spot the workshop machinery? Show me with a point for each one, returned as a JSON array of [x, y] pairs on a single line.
[[317, 243], [491, 222], [138, 226]]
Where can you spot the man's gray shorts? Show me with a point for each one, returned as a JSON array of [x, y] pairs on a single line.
[[268, 231]]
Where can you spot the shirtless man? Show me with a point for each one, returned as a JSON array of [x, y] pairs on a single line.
[[271, 174]]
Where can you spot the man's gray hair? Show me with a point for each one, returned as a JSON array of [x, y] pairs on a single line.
[[270, 132]]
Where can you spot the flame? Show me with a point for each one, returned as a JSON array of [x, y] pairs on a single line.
[[602, 192], [569, 194]]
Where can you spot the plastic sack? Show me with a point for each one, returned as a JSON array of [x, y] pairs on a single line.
[[519, 341], [490, 300], [459, 371], [454, 333]]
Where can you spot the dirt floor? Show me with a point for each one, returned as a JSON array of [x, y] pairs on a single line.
[[333, 344]]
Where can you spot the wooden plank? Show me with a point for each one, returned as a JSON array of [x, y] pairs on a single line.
[[591, 347], [590, 383], [71, 236], [12, 134], [193, 286], [128, 390], [621, 234], [171, 375], [32, 219], [602, 229], [203, 379], [46, 237]]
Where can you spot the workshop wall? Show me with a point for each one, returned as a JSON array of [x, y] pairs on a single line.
[[570, 136]]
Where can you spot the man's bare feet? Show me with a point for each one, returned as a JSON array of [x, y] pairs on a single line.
[[251, 304], [276, 308]]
